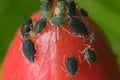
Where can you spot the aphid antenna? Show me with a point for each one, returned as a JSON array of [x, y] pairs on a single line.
[[26, 17], [79, 58], [72, 34], [87, 45]]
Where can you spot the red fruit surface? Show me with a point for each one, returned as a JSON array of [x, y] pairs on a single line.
[[53, 46]]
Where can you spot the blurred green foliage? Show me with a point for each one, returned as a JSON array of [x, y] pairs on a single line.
[[105, 13]]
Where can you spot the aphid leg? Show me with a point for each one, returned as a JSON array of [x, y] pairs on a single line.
[[88, 61], [79, 58], [57, 33], [66, 30], [63, 64], [65, 71], [77, 17], [63, 68], [82, 52], [32, 34], [83, 38], [89, 46], [73, 34]]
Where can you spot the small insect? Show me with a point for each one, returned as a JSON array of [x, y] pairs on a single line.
[[90, 55], [40, 25], [71, 65], [61, 4], [59, 9], [28, 49], [78, 27], [84, 12], [92, 37], [58, 20], [45, 5], [44, 9], [71, 7], [26, 27]]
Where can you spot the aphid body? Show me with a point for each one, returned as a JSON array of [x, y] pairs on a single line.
[[71, 65], [26, 27], [28, 49], [44, 8], [40, 25], [78, 27], [71, 7], [90, 55]]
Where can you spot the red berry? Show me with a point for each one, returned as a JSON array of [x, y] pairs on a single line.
[[60, 53]]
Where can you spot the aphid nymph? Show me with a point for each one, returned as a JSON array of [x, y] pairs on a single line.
[[28, 49], [90, 55], [71, 65], [26, 27], [40, 25], [78, 27], [71, 7]]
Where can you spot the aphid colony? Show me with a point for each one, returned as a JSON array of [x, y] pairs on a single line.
[[64, 11]]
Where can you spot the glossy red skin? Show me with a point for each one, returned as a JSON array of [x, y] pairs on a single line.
[[53, 46]]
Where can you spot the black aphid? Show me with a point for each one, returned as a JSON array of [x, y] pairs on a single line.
[[71, 7], [84, 12], [28, 49], [26, 27], [71, 65], [90, 55], [40, 25], [78, 27]]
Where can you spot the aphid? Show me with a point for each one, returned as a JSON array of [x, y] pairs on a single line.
[[45, 6], [78, 27], [44, 1], [84, 12], [26, 27], [90, 55], [59, 9], [58, 20], [71, 65], [92, 37], [28, 49], [40, 25], [71, 7], [61, 4], [44, 9]]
